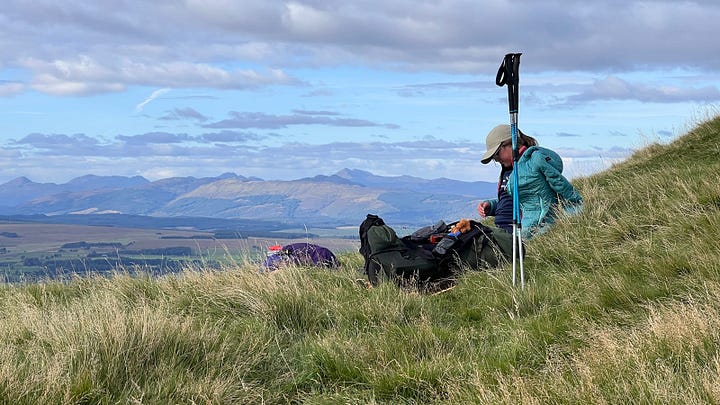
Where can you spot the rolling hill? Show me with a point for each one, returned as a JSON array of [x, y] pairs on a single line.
[[340, 199]]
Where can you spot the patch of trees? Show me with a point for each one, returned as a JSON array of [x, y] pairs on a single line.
[[187, 237], [59, 269], [86, 245], [167, 251], [230, 234], [32, 261]]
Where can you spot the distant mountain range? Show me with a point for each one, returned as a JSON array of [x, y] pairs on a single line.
[[343, 198]]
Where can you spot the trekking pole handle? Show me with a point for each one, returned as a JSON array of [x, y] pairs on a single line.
[[509, 74], [508, 71]]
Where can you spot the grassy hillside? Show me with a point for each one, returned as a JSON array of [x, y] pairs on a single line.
[[622, 305]]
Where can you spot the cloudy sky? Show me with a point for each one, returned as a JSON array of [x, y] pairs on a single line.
[[289, 89]]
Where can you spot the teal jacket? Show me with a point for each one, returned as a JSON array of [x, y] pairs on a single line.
[[544, 192]]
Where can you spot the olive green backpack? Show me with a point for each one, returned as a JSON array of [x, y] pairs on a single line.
[[430, 254]]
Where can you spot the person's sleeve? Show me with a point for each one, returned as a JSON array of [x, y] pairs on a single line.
[[493, 206], [571, 201], [560, 184]]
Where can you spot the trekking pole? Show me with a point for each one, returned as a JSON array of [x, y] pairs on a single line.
[[509, 74]]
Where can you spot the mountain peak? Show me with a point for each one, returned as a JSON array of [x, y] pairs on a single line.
[[95, 182], [335, 179], [350, 173], [20, 181]]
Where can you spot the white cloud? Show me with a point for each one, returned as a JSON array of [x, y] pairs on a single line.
[[8, 88], [615, 88], [309, 22], [155, 94], [86, 75]]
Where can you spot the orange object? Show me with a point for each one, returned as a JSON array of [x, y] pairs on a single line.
[[462, 226]]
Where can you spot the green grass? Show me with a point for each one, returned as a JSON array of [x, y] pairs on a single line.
[[622, 305]]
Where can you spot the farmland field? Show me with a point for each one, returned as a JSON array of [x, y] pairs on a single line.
[[32, 251]]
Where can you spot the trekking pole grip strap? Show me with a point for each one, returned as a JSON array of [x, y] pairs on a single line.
[[508, 71], [509, 74]]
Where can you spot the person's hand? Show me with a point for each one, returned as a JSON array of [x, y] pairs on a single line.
[[483, 208]]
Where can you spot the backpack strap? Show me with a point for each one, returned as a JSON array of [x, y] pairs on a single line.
[[370, 267], [423, 234], [448, 257], [369, 222]]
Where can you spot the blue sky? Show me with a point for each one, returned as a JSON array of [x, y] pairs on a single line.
[[290, 89]]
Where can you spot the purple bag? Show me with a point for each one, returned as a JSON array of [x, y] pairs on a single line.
[[302, 254]]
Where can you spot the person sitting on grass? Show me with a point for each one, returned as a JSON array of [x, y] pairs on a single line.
[[543, 190]]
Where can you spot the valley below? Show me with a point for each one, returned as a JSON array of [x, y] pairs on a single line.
[[31, 252]]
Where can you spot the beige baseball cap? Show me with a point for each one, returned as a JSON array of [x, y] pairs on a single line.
[[495, 138]]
